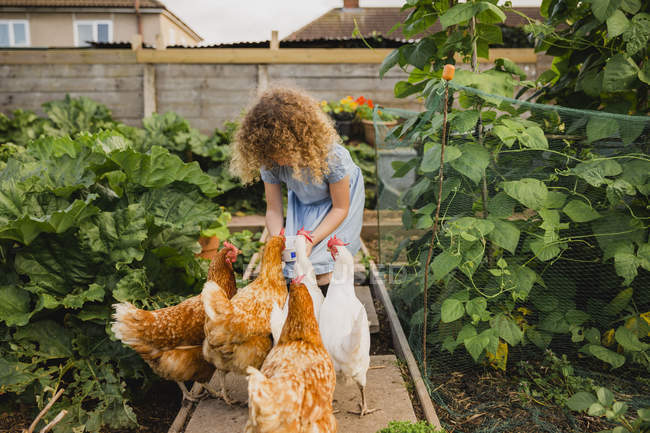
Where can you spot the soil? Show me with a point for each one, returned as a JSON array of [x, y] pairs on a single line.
[[482, 398]]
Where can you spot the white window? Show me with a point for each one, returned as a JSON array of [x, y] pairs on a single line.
[[86, 31], [14, 33]]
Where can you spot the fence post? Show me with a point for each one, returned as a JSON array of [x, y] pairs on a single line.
[[149, 89]]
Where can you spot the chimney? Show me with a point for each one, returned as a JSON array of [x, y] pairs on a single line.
[[351, 4]]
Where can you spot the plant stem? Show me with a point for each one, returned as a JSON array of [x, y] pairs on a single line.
[[435, 229]]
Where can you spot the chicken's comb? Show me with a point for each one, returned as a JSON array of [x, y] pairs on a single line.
[[334, 241], [297, 280], [282, 232], [230, 246], [306, 234]]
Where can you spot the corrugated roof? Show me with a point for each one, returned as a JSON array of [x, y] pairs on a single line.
[[340, 22], [83, 3], [374, 42]]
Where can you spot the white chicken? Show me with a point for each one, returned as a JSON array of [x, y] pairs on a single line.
[[304, 267], [344, 323]]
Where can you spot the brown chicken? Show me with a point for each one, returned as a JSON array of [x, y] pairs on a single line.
[[170, 339], [238, 332], [293, 393]]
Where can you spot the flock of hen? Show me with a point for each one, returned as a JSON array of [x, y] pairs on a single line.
[[290, 343]]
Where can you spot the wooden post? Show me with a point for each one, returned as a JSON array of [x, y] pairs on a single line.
[[160, 42], [262, 78], [136, 42], [275, 42], [149, 89]]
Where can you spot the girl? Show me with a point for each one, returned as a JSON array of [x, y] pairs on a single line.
[[286, 138]]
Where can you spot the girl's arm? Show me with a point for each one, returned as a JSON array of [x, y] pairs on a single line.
[[340, 192], [274, 217]]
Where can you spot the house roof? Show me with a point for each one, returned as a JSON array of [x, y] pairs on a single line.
[[83, 3], [340, 22]]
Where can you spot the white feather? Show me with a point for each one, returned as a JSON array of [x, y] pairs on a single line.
[[344, 323], [304, 267], [278, 317]]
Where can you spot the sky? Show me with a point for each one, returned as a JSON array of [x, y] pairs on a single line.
[[221, 21]]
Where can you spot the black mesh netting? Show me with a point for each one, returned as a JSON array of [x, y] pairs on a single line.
[[539, 282]]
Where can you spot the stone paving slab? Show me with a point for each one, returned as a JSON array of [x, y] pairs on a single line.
[[385, 390], [363, 294]]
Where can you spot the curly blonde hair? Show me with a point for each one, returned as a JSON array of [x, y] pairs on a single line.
[[284, 124]]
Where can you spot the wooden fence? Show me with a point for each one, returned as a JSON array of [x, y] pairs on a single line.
[[205, 85]]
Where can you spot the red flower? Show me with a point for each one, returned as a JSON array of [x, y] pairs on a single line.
[[361, 100], [369, 103]]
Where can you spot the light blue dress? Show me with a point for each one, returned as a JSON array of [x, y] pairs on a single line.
[[309, 203]]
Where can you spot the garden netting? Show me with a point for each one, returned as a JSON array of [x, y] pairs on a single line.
[[539, 282]]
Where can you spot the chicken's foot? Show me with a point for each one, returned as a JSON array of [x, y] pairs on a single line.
[[363, 406], [224, 392]]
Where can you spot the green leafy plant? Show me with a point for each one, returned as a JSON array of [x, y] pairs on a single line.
[[600, 54], [86, 222], [552, 382], [410, 427], [531, 196], [604, 404]]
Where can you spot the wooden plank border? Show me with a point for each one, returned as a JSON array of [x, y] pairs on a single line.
[[401, 343], [226, 56]]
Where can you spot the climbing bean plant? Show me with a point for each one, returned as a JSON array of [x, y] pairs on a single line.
[[544, 235]]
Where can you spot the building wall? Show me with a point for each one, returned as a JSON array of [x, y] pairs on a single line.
[[54, 29], [173, 34]]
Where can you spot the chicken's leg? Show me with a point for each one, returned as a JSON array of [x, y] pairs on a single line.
[[363, 406], [224, 392], [190, 396]]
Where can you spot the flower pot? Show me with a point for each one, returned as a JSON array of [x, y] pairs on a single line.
[[346, 128], [382, 130], [209, 247]]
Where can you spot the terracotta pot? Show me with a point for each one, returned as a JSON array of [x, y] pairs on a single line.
[[369, 130], [209, 247]]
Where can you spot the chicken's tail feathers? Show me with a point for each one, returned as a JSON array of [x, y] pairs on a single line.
[[215, 301], [127, 323]]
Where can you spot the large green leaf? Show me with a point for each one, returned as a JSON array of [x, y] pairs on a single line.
[[35, 219], [581, 401], [617, 23], [626, 263], [431, 160], [603, 9], [117, 235], [507, 329], [501, 205], [580, 212], [53, 340], [596, 172], [475, 345], [459, 13], [629, 340], [160, 168], [15, 307], [604, 354], [451, 310], [620, 301], [422, 52], [539, 338], [489, 13], [599, 128], [531, 193], [505, 234], [473, 161], [620, 72], [443, 264], [389, 62]]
